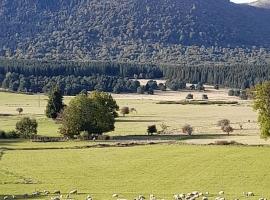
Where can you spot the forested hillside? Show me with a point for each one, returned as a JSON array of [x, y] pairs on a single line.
[[126, 30]]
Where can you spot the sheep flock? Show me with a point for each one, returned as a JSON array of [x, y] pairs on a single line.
[[72, 195]]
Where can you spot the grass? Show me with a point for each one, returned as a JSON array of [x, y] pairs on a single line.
[[199, 102], [160, 169]]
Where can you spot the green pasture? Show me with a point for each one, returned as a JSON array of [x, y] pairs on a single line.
[[162, 170], [202, 117]]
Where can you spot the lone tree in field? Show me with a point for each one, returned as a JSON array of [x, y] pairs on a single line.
[[261, 96], [124, 111], [151, 129], [223, 123], [86, 114], [55, 103], [26, 127], [187, 129], [19, 110], [227, 129]]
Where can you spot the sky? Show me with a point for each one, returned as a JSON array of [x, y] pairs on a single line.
[[242, 1]]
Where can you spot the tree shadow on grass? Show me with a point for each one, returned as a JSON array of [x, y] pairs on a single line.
[[9, 142]]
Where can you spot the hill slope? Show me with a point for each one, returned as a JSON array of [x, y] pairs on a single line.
[[261, 4], [94, 29]]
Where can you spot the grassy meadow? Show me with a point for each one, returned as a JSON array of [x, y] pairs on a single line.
[[202, 117], [160, 169]]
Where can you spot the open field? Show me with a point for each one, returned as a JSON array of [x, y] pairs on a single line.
[[202, 117], [160, 169]]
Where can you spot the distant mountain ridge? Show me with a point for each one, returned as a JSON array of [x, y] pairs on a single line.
[[261, 4], [112, 29]]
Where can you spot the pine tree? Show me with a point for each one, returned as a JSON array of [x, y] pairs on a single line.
[[55, 103]]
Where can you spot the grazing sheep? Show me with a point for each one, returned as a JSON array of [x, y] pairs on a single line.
[[57, 192], [141, 197], [89, 197], [13, 197], [250, 194], [115, 195], [37, 193], [152, 197], [262, 199], [204, 198], [221, 193], [5, 197], [55, 198], [46, 192], [177, 197], [195, 193], [206, 193], [73, 192], [200, 194]]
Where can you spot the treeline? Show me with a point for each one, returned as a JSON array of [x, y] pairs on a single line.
[[69, 85], [72, 77], [66, 68], [234, 76]]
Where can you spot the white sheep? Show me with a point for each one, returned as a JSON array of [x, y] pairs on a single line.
[[73, 192], [250, 194], [5, 197], [115, 195], [152, 197], [57, 192], [55, 198], [221, 193], [204, 198], [89, 197]]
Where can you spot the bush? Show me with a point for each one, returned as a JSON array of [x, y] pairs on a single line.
[[216, 87], [2, 134], [189, 96], [187, 129], [124, 111], [151, 129], [84, 135], [204, 97], [227, 129], [103, 137], [26, 127], [224, 122], [231, 92], [19, 110]]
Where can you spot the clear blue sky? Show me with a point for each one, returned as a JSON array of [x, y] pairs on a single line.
[[242, 1]]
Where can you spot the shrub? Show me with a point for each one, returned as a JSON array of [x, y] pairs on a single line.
[[19, 110], [151, 129], [189, 96], [216, 87], [224, 122], [103, 137], [204, 97], [231, 92], [227, 129], [187, 129], [26, 127], [3, 134], [84, 135], [124, 111]]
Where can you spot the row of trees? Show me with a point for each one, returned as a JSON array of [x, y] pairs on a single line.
[[231, 75]]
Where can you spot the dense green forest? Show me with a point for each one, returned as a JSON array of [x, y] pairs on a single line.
[[73, 77], [159, 31]]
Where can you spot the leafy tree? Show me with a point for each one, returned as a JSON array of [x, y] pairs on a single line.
[[224, 122], [227, 129], [188, 129], [124, 111], [19, 110], [106, 99], [26, 127], [261, 95], [86, 114], [151, 129], [55, 103]]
